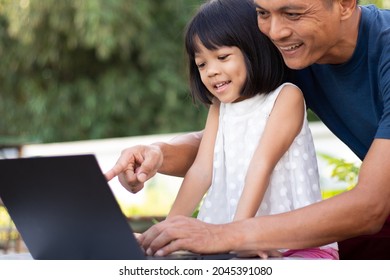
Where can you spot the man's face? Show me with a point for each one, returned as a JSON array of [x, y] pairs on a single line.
[[305, 31]]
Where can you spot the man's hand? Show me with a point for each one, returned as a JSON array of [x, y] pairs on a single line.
[[135, 166], [183, 233], [190, 234]]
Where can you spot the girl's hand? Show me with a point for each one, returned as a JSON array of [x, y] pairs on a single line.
[[260, 254]]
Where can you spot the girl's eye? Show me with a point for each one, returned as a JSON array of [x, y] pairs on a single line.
[[223, 57], [200, 65]]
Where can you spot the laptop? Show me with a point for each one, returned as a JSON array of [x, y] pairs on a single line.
[[64, 209]]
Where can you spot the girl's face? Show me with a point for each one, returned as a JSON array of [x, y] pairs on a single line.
[[222, 71]]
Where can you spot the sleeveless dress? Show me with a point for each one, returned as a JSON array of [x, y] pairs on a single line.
[[294, 182]]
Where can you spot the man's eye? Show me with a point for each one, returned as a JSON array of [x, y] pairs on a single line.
[[293, 16], [261, 14]]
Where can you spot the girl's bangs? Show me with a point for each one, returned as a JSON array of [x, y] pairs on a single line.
[[211, 35]]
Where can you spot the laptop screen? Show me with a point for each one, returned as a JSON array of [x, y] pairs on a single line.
[[64, 209]]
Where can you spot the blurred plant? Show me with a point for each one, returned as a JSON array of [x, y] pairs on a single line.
[[158, 200], [91, 69], [8, 230], [379, 3], [342, 171]]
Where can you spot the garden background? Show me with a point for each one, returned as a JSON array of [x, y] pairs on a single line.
[[96, 76]]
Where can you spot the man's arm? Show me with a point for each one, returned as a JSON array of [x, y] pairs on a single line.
[[179, 153], [362, 210], [139, 163]]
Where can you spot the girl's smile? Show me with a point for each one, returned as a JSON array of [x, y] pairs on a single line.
[[220, 87]]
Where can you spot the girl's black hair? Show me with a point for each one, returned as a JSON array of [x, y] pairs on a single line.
[[231, 23]]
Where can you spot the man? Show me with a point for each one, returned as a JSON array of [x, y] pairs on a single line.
[[340, 56]]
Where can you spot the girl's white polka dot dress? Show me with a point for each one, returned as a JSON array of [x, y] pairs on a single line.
[[294, 182]]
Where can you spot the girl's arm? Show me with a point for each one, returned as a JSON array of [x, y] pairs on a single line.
[[283, 125], [198, 178]]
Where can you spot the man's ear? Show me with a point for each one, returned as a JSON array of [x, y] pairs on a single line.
[[347, 8]]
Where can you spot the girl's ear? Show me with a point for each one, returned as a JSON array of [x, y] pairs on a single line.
[[347, 8]]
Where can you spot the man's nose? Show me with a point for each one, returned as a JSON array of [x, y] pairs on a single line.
[[275, 29]]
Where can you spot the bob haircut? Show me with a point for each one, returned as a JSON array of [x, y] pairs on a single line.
[[233, 23]]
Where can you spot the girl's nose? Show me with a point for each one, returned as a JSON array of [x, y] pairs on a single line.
[[212, 70]]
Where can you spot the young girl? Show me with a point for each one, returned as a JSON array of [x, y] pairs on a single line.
[[257, 155]]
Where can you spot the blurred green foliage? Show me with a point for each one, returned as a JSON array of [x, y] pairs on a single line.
[[86, 69], [90, 69], [379, 3], [342, 171]]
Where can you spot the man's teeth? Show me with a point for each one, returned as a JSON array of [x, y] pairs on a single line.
[[290, 48]]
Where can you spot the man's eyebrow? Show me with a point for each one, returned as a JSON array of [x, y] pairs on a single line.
[[283, 8], [258, 6]]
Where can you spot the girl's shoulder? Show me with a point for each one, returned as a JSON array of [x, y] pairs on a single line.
[[288, 87], [289, 95], [286, 91]]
